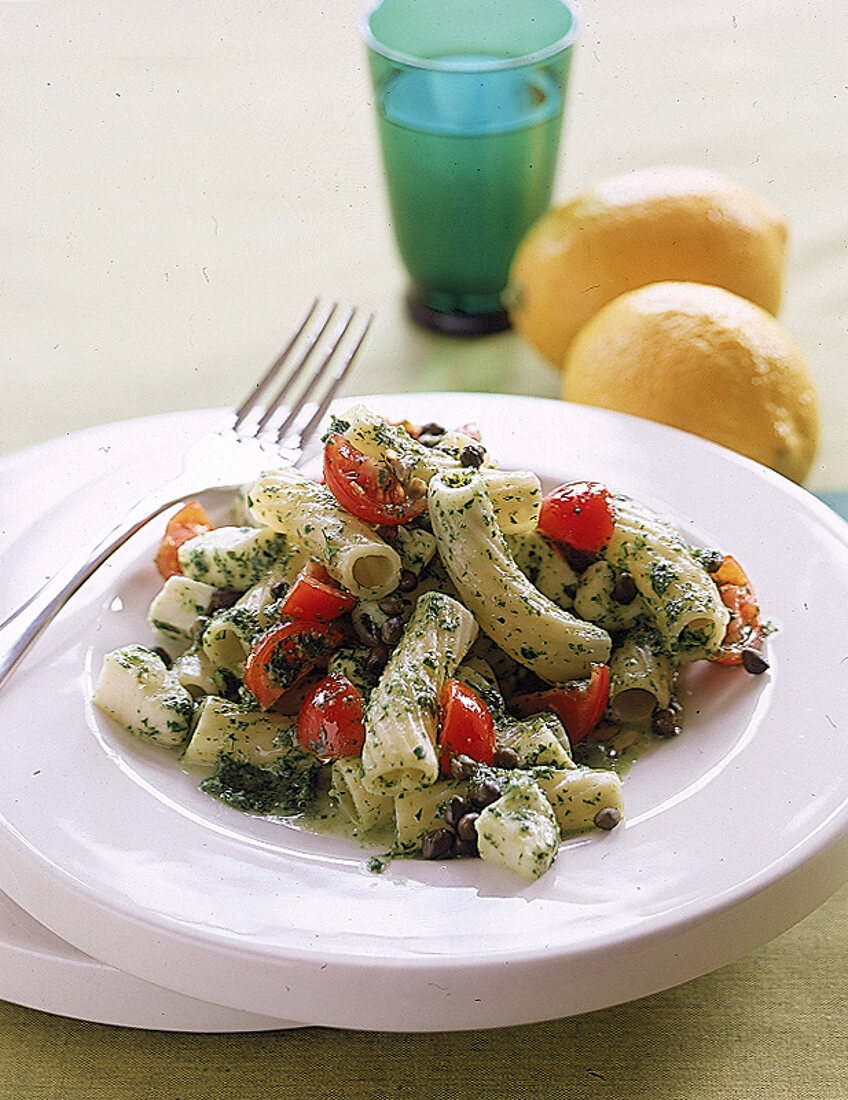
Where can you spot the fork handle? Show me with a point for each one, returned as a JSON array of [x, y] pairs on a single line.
[[25, 624]]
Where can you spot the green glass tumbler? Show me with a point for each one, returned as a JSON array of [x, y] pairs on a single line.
[[469, 97]]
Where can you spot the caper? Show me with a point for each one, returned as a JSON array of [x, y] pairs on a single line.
[[438, 844], [472, 454], [484, 793], [607, 818], [754, 662]]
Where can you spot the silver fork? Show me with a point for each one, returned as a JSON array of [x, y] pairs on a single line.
[[315, 361]]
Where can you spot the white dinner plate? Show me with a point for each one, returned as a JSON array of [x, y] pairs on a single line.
[[734, 830]]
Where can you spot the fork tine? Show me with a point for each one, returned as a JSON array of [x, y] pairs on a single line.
[[288, 386], [345, 363], [286, 391], [327, 355], [318, 373], [320, 370], [250, 402]]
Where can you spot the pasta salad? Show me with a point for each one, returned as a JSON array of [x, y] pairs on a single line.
[[432, 647]]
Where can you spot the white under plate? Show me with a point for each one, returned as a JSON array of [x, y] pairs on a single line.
[[39, 970], [734, 830]]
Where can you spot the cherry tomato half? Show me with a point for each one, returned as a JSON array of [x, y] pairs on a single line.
[[744, 630], [466, 726], [331, 721], [365, 487], [579, 704], [579, 513], [192, 519], [315, 595], [284, 654]]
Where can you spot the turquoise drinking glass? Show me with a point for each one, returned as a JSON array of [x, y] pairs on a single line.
[[469, 97]]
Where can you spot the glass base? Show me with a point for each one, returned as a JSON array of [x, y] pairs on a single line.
[[454, 322]]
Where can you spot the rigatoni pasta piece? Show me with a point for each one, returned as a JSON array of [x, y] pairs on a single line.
[[401, 715], [179, 608], [368, 811], [577, 795], [516, 496], [228, 638], [233, 557], [263, 597], [641, 677], [519, 831], [538, 740], [196, 672], [142, 694], [363, 563], [594, 600], [509, 674], [544, 566], [416, 547], [678, 593], [524, 622], [250, 736], [419, 811], [230, 633]]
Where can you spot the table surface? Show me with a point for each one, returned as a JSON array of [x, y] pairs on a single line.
[[178, 182]]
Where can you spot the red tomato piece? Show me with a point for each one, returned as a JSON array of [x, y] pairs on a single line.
[[579, 704], [466, 726], [293, 698], [744, 630], [331, 722], [579, 513], [192, 519], [315, 595], [366, 488], [284, 654]]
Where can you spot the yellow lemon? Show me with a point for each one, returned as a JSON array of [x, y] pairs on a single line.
[[657, 224], [702, 359]]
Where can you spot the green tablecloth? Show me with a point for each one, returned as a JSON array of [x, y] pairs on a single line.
[[773, 1026]]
